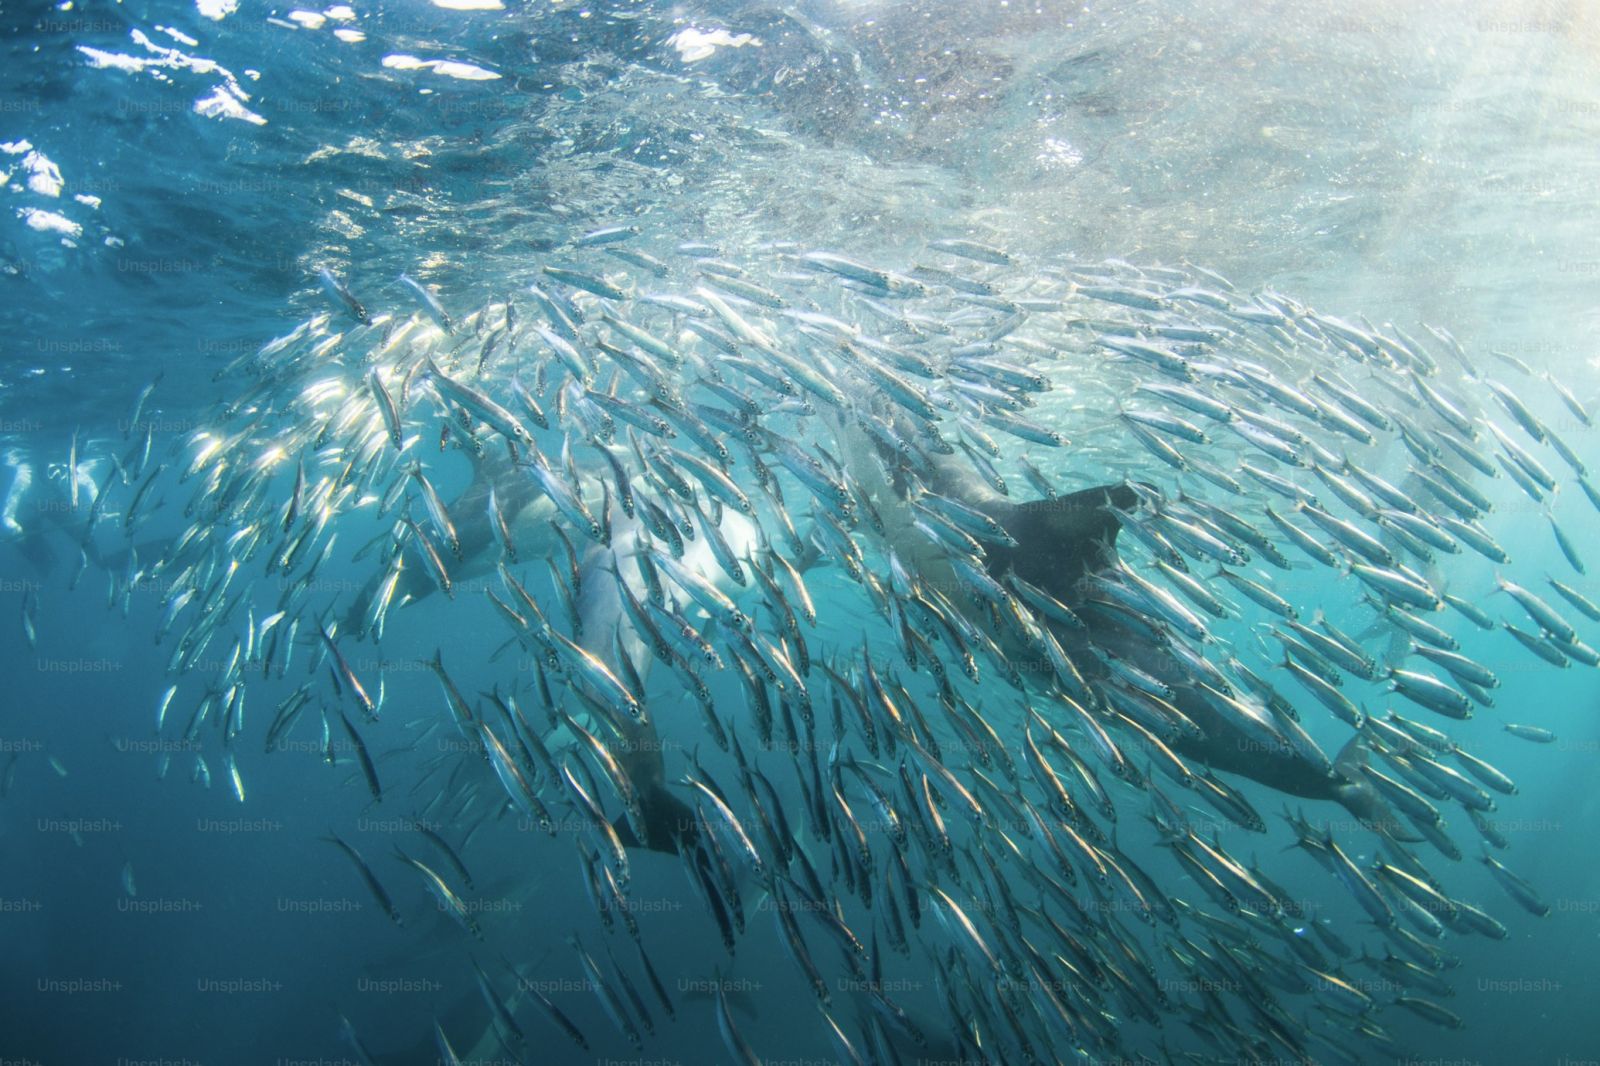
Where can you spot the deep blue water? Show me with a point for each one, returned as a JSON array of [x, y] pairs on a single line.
[[175, 175]]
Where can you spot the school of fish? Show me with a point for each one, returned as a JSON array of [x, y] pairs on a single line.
[[953, 614]]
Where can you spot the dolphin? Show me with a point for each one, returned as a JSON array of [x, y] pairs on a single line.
[[1062, 545], [667, 822]]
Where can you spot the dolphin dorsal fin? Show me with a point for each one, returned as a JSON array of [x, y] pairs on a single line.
[[1061, 540]]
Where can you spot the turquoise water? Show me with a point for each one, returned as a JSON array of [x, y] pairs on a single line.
[[176, 175]]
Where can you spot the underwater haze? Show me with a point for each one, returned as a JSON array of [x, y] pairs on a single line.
[[838, 532]]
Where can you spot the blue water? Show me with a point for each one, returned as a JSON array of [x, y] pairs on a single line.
[[175, 174]]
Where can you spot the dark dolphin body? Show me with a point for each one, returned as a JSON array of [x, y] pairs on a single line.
[[1062, 545], [669, 824]]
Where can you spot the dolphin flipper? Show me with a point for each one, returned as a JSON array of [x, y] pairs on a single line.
[[1357, 794]]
